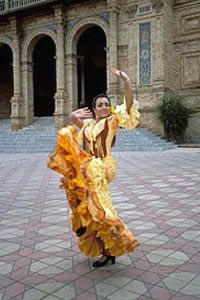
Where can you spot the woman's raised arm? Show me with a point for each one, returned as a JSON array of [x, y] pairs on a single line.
[[127, 87]]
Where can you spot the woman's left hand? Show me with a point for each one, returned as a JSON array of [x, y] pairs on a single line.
[[121, 74]]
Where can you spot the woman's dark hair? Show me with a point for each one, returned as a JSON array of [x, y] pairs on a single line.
[[97, 97]]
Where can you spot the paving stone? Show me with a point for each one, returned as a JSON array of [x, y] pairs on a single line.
[[191, 289], [123, 294], [104, 289], [40, 251], [174, 285], [66, 292], [117, 281], [49, 287], [33, 294], [136, 286]]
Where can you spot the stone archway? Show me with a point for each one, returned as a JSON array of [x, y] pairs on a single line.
[[29, 45], [71, 53], [44, 77], [91, 63], [6, 79]]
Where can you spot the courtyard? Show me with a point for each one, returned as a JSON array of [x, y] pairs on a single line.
[[157, 194]]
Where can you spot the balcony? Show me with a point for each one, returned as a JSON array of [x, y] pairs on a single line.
[[10, 5]]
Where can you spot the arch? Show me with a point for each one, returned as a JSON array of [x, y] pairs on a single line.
[[44, 76], [7, 77], [71, 41], [28, 45], [80, 27], [6, 41], [31, 40]]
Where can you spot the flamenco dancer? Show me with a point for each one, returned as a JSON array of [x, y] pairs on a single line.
[[88, 170]]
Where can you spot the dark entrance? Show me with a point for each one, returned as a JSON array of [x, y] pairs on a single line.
[[6, 80], [91, 65], [44, 77]]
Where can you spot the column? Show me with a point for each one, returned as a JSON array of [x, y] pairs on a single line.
[[72, 80], [27, 87], [82, 69], [17, 101], [6, 5], [113, 53], [61, 93], [158, 75]]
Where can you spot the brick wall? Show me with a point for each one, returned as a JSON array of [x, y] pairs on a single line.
[[175, 42]]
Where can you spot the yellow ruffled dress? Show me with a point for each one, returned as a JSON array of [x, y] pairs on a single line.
[[86, 174]]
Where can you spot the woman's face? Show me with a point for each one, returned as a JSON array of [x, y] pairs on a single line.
[[102, 108]]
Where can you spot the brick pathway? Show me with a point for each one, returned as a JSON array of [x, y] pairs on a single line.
[[158, 196]]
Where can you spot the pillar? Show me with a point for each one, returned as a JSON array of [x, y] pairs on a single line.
[[17, 101], [113, 88], [61, 101]]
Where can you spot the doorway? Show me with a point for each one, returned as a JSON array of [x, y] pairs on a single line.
[[44, 77], [6, 80], [91, 65]]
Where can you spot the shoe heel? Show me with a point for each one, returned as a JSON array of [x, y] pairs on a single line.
[[113, 259], [81, 231]]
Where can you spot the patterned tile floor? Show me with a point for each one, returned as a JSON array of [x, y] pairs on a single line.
[[156, 193]]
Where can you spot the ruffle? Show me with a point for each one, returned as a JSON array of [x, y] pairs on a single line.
[[128, 120], [86, 186]]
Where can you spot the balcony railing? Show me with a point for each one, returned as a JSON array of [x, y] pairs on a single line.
[[9, 5]]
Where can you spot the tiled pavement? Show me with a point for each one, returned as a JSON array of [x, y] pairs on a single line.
[[156, 193]]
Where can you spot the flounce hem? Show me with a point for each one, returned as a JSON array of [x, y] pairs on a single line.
[[89, 199]]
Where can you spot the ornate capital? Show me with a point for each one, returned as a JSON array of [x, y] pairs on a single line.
[[131, 9], [15, 25], [158, 4], [59, 13], [113, 5]]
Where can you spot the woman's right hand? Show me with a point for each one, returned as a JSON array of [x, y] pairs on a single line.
[[82, 113]]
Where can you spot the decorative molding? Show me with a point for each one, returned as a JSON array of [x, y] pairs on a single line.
[[29, 30], [73, 22], [113, 5], [104, 15], [190, 24], [144, 9], [145, 53], [8, 37], [52, 26], [190, 70], [74, 33], [131, 10], [28, 41], [157, 5], [15, 26]]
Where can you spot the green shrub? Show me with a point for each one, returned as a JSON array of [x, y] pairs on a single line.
[[174, 116]]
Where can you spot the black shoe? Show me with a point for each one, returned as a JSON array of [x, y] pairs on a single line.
[[99, 263], [81, 231]]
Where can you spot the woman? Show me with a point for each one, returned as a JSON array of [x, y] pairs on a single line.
[[87, 172]]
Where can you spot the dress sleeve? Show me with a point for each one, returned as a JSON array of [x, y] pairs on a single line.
[[126, 120]]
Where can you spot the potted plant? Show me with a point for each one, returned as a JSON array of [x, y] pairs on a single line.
[[174, 116]]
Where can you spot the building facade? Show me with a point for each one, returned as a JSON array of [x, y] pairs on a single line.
[[56, 55]]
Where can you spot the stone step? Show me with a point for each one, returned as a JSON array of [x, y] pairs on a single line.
[[41, 137]]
